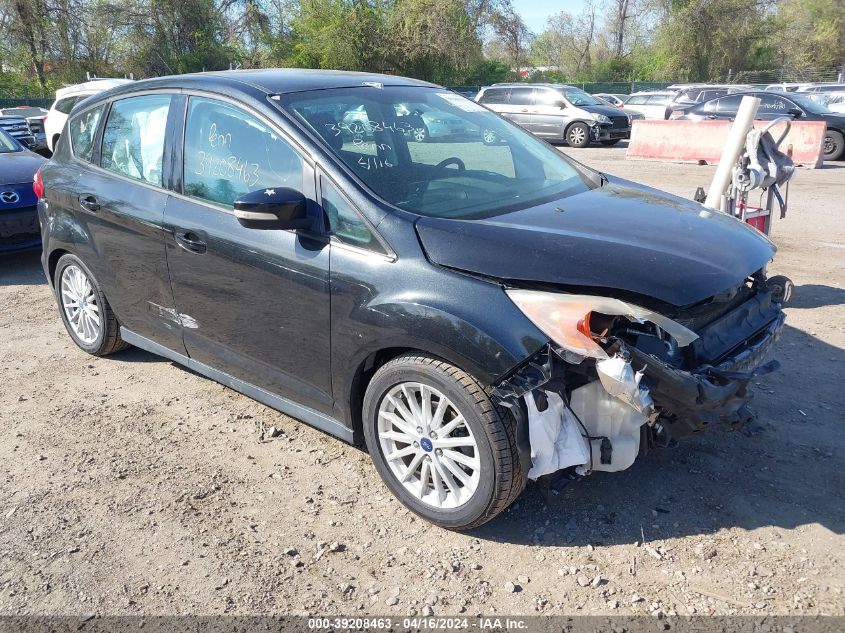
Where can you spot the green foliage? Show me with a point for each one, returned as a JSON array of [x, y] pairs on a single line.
[[490, 71], [48, 43]]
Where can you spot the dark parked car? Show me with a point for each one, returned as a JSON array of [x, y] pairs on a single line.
[[444, 303], [18, 213], [35, 120], [16, 126], [773, 105]]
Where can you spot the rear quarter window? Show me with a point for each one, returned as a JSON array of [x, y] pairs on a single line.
[[66, 105], [83, 127]]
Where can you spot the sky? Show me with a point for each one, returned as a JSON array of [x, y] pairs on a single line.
[[535, 13]]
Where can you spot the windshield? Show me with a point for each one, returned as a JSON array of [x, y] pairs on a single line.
[[8, 144], [808, 104], [578, 97], [434, 152]]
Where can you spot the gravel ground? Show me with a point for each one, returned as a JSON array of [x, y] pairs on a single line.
[[132, 486]]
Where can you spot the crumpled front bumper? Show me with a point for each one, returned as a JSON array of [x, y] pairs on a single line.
[[710, 394]]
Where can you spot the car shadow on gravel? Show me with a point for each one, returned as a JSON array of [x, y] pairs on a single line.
[[21, 269], [790, 474], [811, 296]]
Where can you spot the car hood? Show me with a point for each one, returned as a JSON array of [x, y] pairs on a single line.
[[621, 236], [18, 167], [602, 109]]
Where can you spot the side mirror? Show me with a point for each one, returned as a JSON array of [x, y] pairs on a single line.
[[795, 113], [560, 103], [273, 208]]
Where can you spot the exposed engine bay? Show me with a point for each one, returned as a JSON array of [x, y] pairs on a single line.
[[633, 377]]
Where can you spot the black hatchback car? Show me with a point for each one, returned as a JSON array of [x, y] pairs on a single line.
[[772, 105], [474, 314]]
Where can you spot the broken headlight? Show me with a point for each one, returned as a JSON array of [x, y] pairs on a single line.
[[565, 319]]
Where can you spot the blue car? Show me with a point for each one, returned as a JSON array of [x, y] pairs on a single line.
[[18, 212]]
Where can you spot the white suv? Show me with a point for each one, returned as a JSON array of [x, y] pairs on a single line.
[[68, 97]]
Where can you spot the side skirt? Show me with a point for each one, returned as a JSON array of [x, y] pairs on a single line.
[[306, 414]]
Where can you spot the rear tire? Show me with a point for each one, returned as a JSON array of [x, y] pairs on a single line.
[[400, 418], [578, 135], [834, 145], [85, 311]]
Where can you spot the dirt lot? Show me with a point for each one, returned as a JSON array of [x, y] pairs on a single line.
[[132, 486]]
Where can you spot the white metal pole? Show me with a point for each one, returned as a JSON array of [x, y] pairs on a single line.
[[733, 148]]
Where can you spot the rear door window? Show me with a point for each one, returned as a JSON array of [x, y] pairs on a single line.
[[495, 95], [82, 130], [729, 104], [66, 105], [522, 96], [229, 152], [133, 139]]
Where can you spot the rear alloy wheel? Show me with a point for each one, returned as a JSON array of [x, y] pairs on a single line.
[[834, 145], [578, 135], [438, 442], [85, 311]]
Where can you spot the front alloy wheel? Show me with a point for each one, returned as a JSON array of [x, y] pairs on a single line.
[[834, 145], [488, 136], [428, 446], [439, 443]]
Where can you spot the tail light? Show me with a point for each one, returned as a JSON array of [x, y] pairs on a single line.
[[38, 185]]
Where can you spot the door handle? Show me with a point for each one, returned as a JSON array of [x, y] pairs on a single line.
[[524, 110], [89, 202], [190, 240]]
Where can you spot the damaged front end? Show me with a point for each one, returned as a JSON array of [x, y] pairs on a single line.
[[618, 378]]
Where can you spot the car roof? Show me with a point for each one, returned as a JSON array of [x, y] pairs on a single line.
[[98, 85], [654, 92], [270, 81], [517, 84]]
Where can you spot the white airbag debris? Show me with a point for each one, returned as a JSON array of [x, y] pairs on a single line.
[[555, 436], [619, 379]]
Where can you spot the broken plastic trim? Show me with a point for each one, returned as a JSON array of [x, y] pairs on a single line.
[[532, 374]]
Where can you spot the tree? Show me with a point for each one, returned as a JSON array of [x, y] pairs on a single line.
[[811, 33], [567, 43], [436, 40], [512, 37]]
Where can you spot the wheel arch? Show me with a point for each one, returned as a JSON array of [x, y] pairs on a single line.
[[53, 261]]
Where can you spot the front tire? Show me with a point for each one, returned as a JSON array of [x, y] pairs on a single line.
[[834, 145], [86, 313], [439, 443], [578, 135]]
